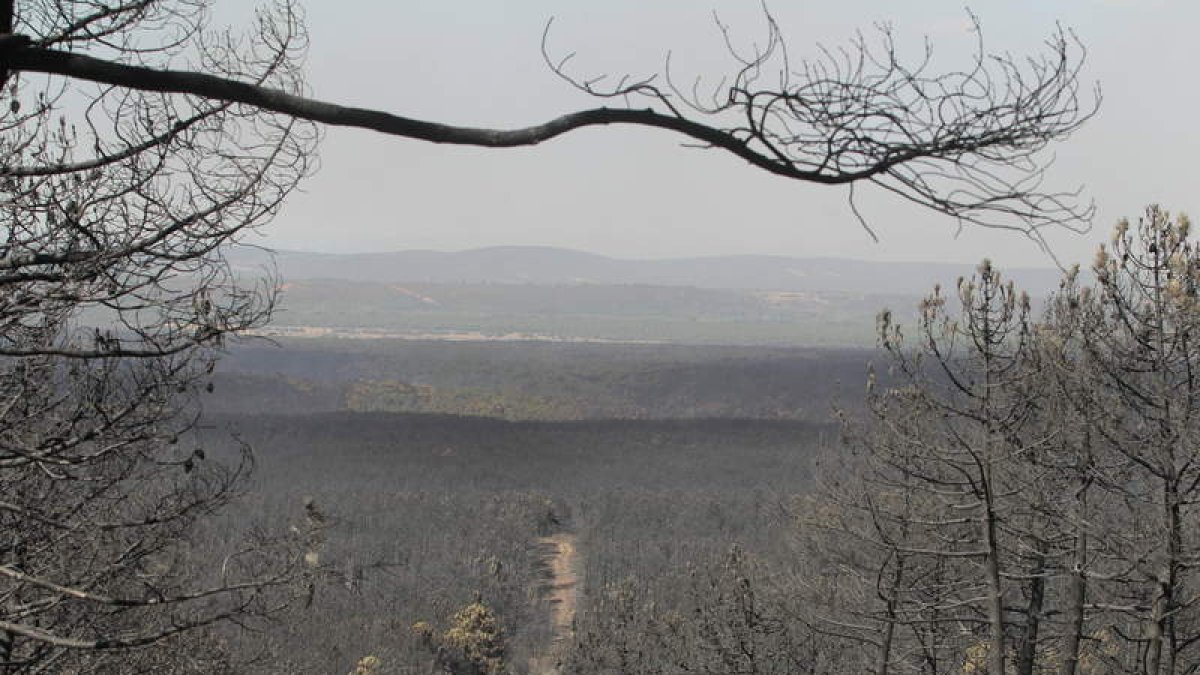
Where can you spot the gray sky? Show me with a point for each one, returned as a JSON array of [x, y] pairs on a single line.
[[631, 192]]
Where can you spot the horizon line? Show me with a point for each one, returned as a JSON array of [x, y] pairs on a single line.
[[562, 249]]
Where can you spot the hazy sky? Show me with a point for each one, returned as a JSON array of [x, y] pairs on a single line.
[[631, 192]]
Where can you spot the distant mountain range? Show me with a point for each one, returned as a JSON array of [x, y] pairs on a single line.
[[554, 266]]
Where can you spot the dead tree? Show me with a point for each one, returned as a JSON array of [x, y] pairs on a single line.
[[946, 487], [1143, 356], [115, 208], [1047, 470]]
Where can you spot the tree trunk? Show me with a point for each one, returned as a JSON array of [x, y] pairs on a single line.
[[1154, 647], [995, 595], [889, 629], [1175, 553], [1027, 656], [1160, 657], [885, 646], [6, 26], [6, 649], [1076, 595]]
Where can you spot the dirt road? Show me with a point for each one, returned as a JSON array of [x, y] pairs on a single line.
[[558, 556]]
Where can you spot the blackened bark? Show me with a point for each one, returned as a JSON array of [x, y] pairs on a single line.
[[1077, 591], [7, 10], [16, 53], [1027, 656]]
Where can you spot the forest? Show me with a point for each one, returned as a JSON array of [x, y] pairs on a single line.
[[206, 467], [1015, 490], [651, 458]]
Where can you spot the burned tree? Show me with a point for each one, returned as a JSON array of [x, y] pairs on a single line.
[[1031, 485], [116, 207], [1143, 357]]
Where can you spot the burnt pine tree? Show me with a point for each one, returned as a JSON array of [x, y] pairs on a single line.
[[114, 295], [1031, 485], [960, 420], [1143, 359]]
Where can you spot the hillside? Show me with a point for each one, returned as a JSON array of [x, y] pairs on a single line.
[[538, 381], [553, 266], [553, 295], [579, 313]]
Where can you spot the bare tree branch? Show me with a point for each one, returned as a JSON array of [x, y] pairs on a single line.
[[965, 143]]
